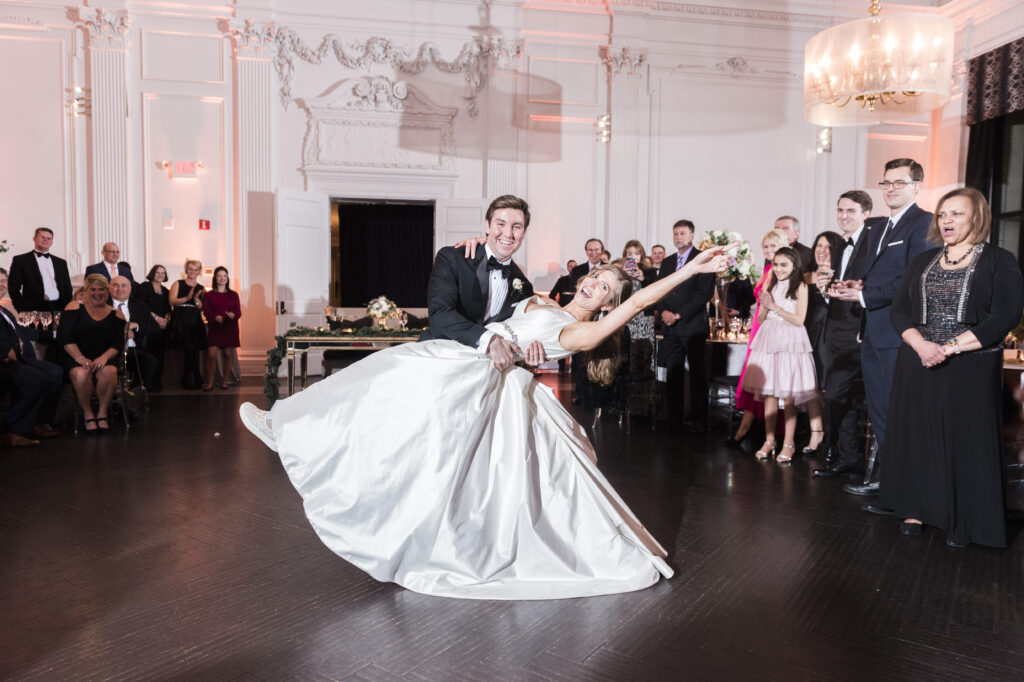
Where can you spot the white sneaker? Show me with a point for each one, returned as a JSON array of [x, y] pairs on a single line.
[[255, 420]]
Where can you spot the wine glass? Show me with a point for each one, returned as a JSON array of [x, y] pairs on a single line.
[[24, 318], [56, 319], [403, 319], [45, 319]]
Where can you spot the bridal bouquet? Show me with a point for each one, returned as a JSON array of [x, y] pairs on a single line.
[[741, 259], [381, 308]]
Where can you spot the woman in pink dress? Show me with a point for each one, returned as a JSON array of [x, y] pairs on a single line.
[[745, 400], [781, 365], [222, 309]]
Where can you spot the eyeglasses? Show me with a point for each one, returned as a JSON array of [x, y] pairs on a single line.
[[896, 184]]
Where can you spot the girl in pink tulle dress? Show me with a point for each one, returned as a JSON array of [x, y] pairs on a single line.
[[781, 366]]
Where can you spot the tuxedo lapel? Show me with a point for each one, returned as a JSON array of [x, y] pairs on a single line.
[[479, 266]]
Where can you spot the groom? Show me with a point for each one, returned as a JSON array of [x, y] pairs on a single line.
[[466, 293]]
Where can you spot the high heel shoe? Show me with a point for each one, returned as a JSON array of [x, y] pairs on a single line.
[[766, 450], [809, 450], [783, 458]]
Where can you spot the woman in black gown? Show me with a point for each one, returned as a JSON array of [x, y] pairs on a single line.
[[154, 294], [942, 464]]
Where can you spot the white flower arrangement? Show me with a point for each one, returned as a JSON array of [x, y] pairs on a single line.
[[381, 308], [741, 259]]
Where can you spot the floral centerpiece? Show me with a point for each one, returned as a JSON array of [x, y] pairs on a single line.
[[741, 259], [380, 309]]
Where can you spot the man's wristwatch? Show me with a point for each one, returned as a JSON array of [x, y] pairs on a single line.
[[954, 346]]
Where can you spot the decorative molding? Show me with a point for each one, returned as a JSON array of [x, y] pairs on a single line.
[[253, 39], [739, 67], [503, 54], [31, 23], [758, 16], [472, 62], [373, 122], [106, 29], [624, 61]]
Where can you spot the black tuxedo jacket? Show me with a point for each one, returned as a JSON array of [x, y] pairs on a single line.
[[885, 268], [26, 283], [457, 296], [10, 338], [849, 313], [689, 300]]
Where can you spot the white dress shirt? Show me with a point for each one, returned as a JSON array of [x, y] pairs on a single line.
[[49, 279], [123, 307], [497, 291]]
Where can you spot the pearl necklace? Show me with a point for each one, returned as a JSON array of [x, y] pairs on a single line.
[[958, 261]]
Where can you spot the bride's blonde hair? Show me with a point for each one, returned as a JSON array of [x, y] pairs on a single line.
[[603, 361]]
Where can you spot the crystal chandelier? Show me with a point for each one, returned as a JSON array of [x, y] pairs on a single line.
[[890, 67]]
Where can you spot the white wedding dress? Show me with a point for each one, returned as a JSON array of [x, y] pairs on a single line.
[[424, 465]]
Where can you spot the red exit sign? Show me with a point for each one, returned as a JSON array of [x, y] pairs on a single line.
[[204, 224], [182, 169]]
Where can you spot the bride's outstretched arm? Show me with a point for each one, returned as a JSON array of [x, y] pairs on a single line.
[[588, 335]]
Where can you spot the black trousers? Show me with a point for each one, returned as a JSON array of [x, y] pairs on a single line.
[[879, 366], [141, 365], [843, 390], [39, 383], [677, 349]]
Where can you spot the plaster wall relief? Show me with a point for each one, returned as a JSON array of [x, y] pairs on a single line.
[[373, 122]]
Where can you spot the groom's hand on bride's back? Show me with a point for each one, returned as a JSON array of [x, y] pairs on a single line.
[[470, 245]]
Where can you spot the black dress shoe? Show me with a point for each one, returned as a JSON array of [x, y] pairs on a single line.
[[951, 542], [866, 490], [837, 472], [875, 509], [910, 528]]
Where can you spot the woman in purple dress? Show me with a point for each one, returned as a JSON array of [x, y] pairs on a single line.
[[222, 309]]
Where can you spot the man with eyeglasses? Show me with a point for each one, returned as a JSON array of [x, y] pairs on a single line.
[[891, 247]]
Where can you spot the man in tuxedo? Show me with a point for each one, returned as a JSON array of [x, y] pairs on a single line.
[[842, 332], [39, 382], [791, 226], [657, 256], [891, 248], [39, 280], [466, 293], [112, 266], [684, 317], [139, 319], [564, 286]]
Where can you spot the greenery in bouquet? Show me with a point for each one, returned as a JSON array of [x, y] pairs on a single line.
[[381, 308], [742, 264]]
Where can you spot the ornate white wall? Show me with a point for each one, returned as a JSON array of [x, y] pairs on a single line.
[[448, 100]]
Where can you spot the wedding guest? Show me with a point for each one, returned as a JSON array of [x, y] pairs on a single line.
[[953, 308], [111, 266], [76, 302], [594, 248], [746, 401], [891, 248], [791, 226], [564, 286], [139, 318], [38, 279], [155, 295], [657, 256], [843, 383], [781, 369], [684, 318], [641, 327], [93, 336], [38, 382], [223, 308], [186, 329]]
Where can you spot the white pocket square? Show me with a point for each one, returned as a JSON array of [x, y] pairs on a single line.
[[894, 243]]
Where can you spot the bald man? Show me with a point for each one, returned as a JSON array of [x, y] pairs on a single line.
[[141, 323], [111, 266]]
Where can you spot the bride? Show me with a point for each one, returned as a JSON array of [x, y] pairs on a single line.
[[425, 465]]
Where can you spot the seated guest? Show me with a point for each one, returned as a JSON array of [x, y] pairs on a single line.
[[223, 309], [77, 300], [39, 382], [186, 330], [92, 336], [157, 297], [140, 325], [942, 463], [111, 266]]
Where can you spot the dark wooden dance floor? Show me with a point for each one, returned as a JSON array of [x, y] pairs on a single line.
[[172, 552]]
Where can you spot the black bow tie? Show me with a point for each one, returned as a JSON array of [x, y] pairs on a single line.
[[849, 241], [493, 264], [40, 254]]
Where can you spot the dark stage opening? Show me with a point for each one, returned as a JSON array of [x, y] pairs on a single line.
[[381, 248]]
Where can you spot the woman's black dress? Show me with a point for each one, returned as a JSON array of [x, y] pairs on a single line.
[[156, 339], [93, 337], [814, 323], [942, 460], [188, 330]]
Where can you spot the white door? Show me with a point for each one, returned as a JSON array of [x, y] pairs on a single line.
[[303, 233], [455, 220]]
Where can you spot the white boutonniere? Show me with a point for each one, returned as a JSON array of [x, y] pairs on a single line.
[[517, 284]]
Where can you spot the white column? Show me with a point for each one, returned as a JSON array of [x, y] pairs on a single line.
[[626, 189], [108, 50], [505, 175], [253, 52]]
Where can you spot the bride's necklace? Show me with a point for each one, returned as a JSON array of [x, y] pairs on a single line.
[[958, 261]]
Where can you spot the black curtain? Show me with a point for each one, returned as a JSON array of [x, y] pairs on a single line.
[[985, 155], [386, 250]]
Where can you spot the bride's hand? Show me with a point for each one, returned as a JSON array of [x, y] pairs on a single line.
[[714, 259], [470, 244], [534, 356]]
